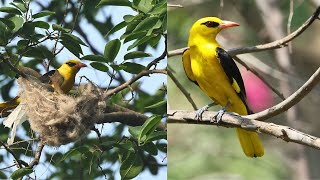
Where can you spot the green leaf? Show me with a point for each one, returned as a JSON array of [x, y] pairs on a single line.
[[94, 58], [161, 103], [8, 23], [135, 131], [162, 147], [148, 128], [117, 67], [111, 49], [127, 146], [20, 6], [75, 152], [146, 24], [155, 40], [58, 27], [18, 22], [136, 54], [43, 14], [133, 68], [20, 173], [3, 34], [143, 5], [117, 28], [73, 47], [40, 52], [157, 135], [159, 9], [150, 148], [3, 175], [131, 166], [99, 66], [131, 26], [10, 10], [108, 144], [41, 24], [132, 36], [22, 44], [114, 3], [128, 18], [27, 29], [139, 42], [71, 37]]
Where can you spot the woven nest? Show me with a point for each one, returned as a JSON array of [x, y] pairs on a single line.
[[59, 118]]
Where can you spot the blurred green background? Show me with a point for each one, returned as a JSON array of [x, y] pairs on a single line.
[[210, 152]]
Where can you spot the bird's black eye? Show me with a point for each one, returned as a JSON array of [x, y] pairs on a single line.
[[71, 64], [211, 24]]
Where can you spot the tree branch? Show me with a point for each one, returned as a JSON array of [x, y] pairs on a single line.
[[286, 133], [12, 153], [291, 100], [116, 113], [37, 156], [134, 79]]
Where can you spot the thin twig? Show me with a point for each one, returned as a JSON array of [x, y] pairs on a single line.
[[182, 89], [289, 25], [291, 100], [77, 14], [134, 79], [1, 169], [12, 153], [175, 5], [259, 76]]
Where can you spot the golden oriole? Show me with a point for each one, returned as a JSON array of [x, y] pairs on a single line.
[[62, 80], [214, 71]]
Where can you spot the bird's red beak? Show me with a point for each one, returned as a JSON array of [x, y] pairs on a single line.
[[81, 65], [227, 24]]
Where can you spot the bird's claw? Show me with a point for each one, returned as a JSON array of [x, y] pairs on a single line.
[[218, 117], [199, 113]]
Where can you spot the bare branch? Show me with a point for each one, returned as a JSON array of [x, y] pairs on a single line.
[[286, 133], [177, 52]]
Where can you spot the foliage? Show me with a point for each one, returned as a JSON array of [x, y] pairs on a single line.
[[36, 40]]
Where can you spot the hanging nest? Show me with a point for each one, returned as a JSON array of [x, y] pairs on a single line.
[[59, 118]]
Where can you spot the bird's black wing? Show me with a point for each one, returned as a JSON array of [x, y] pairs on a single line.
[[233, 73]]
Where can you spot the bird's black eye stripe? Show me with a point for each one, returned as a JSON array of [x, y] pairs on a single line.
[[211, 24], [71, 64]]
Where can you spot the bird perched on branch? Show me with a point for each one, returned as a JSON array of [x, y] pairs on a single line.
[[62, 80], [214, 71]]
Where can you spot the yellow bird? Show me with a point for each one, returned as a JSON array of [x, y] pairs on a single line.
[[214, 71], [63, 77]]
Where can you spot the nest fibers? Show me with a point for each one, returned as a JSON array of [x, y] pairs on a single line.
[[59, 118]]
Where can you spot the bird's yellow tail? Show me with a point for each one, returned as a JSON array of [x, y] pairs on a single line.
[[250, 143], [10, 104]]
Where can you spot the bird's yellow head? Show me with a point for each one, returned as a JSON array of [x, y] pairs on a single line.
[[71, 67], [209, 27]]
